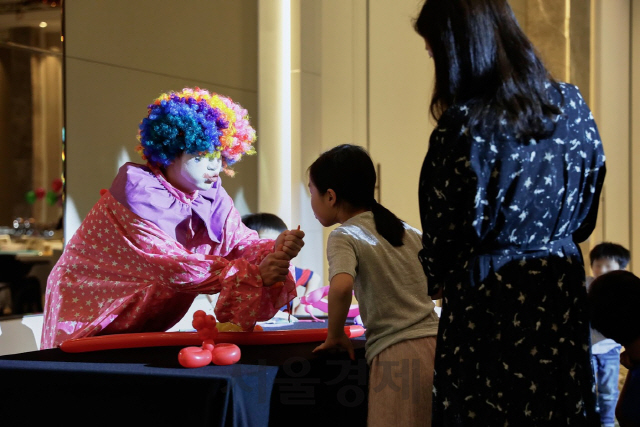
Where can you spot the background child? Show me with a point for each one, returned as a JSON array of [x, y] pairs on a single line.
[[613, 304], [376, 254], [605, 358], [270, 226]]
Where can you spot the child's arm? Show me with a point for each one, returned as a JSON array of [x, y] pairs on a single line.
[[340, 292]]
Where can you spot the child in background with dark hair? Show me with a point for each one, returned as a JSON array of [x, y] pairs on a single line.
[[265, 224], [613, 304], [376, 254], [605, 352], [270, 226]]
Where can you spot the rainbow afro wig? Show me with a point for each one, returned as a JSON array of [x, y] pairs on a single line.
[[195, 121]]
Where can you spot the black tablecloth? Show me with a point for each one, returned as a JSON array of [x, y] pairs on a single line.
[[271, 386]]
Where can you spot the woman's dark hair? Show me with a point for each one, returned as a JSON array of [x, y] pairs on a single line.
[[613, 306], [484, 61], [264, 221], [349, 171], [608, 250]]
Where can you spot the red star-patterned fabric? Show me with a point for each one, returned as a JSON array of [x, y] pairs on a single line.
[[120, 273]]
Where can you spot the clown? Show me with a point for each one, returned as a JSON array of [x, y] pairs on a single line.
[[167, 231]]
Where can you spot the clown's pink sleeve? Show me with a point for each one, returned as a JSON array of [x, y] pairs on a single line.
[[120, 273], [242, 243]]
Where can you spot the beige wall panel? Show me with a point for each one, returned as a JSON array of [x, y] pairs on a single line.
[[611, 107], [204, 40], [342, 120], [401, 82], [547, 30], [635, 138], [310, 36], [313, 255]]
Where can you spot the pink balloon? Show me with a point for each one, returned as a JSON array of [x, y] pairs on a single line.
[[194, 357], [225, 354], [208, 345], [314, 299]]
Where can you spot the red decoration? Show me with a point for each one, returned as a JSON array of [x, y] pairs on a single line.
[[56, 185], [159, 339], [40, 192]]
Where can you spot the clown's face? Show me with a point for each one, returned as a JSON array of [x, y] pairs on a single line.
[[191, 172]]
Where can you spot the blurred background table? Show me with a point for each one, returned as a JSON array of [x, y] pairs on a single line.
[[25, 264]]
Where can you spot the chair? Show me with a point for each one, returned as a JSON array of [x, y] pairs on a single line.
[[25, 290], [5, 298]]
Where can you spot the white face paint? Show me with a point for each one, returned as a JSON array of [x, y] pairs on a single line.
[[191, 172]]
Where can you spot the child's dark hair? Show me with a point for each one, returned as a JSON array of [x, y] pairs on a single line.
[[613, 306], [264, 221], [348, 170], [613, 251]]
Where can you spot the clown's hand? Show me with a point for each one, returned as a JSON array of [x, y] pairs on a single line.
[[290, 242], [274, 268]]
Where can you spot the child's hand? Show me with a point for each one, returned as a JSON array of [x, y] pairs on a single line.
[[274, 268], [341, 341], [290, 242]]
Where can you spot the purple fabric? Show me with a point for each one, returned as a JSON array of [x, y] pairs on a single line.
[[146, 192]]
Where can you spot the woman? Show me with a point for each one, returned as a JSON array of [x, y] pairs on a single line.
[[509, 186]]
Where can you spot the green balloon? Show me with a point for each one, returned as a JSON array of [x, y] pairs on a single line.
[[52, 198], [31, 197]]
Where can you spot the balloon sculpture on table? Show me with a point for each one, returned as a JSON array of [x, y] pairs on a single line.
[[219, 354], [315, 299]]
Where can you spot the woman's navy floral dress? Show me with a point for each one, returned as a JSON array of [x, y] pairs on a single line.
[[500, 220]]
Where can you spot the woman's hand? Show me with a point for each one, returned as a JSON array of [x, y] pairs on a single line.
[[274, 268], [340, 341], [290, 242]]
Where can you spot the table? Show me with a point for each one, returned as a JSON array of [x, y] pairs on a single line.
[[271, 386], [19, 269]]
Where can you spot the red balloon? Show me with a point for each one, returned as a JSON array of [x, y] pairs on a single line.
[[198, 323], [210, 321], [194, 357], [208, 333], [56, 185], [158, 339], [225, 354], [40, 192]]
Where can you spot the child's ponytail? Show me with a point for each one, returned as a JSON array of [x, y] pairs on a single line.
[[349, 171], [387, 224]]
